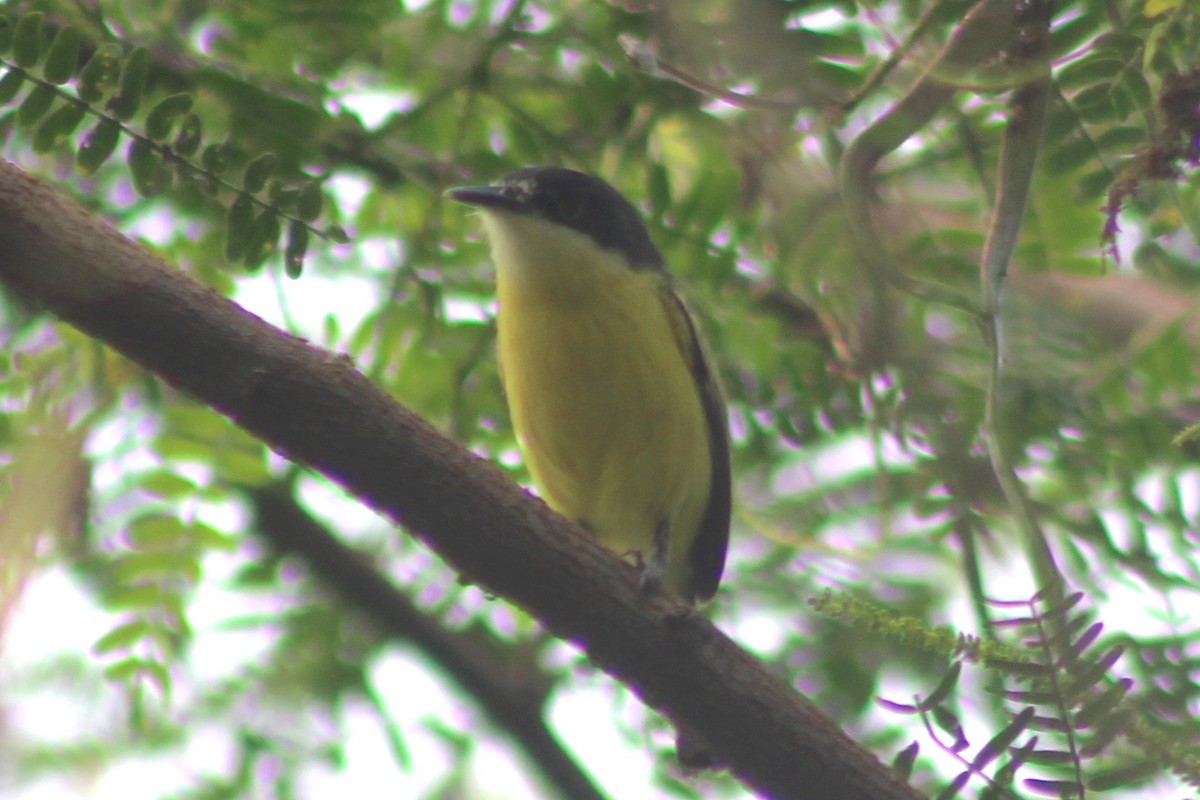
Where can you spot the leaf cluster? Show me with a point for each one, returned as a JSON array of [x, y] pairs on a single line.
[[55, 88], [1067, 710]]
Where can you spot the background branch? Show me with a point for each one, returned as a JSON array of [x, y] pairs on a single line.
[[986, 30], [513, 695], [1016, 169]]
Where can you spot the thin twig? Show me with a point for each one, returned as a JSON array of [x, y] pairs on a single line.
[[988, 27], [643, 57], [1018, 160]]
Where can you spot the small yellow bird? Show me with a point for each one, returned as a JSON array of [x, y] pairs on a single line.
[[617, 412]]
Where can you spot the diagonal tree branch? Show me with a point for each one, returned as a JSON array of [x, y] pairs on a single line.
[[317, 409], [515, 703]]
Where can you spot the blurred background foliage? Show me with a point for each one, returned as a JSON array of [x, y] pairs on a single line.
[[146, 629]]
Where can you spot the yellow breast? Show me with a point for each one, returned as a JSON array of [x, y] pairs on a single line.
[[602, 398]]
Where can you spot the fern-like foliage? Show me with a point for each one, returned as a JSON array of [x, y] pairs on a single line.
[[56, 80], [1080, 726]]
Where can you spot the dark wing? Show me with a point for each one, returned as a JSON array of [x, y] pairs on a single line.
[[707, 557]]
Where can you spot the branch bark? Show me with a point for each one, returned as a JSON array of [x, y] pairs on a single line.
[[317, 409]]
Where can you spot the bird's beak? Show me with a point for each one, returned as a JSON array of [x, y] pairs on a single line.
[[501, 198]]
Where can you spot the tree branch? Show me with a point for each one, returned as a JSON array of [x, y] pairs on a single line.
[[515, 703], [987, 29], [1018, 160], [317, 409]]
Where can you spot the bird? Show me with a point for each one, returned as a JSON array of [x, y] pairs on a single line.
[[615, 405]]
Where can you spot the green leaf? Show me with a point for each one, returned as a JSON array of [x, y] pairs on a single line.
[[97, 145], [187, 140], [1070, 155], [955, 786], [238, 226], [63, 56], [244, 466], [898, 708], [1085, 640], [1139, 88], [1095, 104], [308, 207], [905, 759], [257, 172], [279, 195], [216, 157], [124, 670], [835, 76], [168, 485], [1004, 739], [122, 637], [6, 33], [948, 721], [146, 167], [156, 532], [295, 248], [1155, 7], [10, 84], [162, 117], [1090, 71], [27, 40], [658, 188], [1087, 674], [128, 670], [157, 673], [35, 104], [264, 238], [132, 86], [1094, 184], [1123, 138], [171, 565], [1053, 788], [1108, 728], [139, 597], [1070, 35], [1050, 757], [1123, 102], [944, 688], [57, 127], [209, 538], [1126, 46], [100, 74]]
